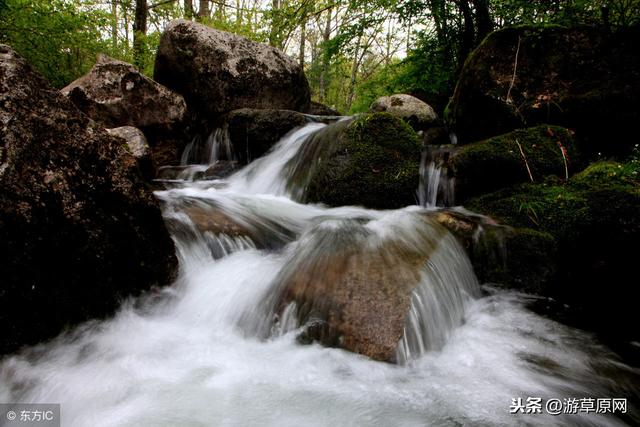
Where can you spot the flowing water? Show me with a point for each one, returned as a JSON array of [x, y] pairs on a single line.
[[218, 349]]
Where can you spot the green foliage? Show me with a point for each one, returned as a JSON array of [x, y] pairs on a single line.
[[59, 38]]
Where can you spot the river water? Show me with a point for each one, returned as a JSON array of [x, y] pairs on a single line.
[[213, 349]]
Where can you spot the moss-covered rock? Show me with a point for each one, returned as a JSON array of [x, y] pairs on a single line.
[[523, 258], [515, 157], [595, 223], [582, 78], [372, 161]]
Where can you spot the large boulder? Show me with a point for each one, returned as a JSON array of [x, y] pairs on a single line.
[[371, 161], [79, 229], [417, 113], [581, 78], [218, 72], [115, 94], [519, 156], [253, 132]]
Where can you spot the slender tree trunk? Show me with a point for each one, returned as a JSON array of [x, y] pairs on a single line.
[[139, 32], [303, 40], [114, 23], [354, 74], [325, 58], [188, 9]]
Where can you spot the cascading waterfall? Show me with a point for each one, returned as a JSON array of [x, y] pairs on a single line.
[[436, 187], [218, 348], [203, 152]]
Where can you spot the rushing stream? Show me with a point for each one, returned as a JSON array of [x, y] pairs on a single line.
[[217, 349]]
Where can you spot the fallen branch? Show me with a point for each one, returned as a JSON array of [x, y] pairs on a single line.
[[513, 79], [526, 163]]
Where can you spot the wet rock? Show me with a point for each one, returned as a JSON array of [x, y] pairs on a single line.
[[520, 156], [253, 132], [79, 229], [218, 220], [218, 72], [417, 113], [436, 136], [220, 169], [354, 289], [372, 161], [583, 78], [138, 147]]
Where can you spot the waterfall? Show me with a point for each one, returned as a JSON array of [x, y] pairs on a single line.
[[261, 274], [208, 150], [436, 186]]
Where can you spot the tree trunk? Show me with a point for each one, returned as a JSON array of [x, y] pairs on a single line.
[[139, 32], [468, 33], [114, 23], [203, 12], [484, 22], [188, 9], [325, 58], [274, 32], [303, 39]]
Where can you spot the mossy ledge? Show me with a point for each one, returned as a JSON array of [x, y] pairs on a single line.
[[594, 223]]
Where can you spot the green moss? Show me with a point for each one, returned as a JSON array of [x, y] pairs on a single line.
[[513, 158], [373, 162], [595, 223], [520, 257]]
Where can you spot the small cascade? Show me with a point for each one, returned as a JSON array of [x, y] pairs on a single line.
[[447, 285], [436, 187], [271, 174], [209, 149]]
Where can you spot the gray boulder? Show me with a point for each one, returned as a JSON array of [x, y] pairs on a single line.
[[417, 113], [115, 93], [218, 72]]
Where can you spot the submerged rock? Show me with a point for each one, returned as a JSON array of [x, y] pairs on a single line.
[[79, 229], [218, 72], [417, 113], [253, 132], [581, 78], [372, 161], [521, 156]]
